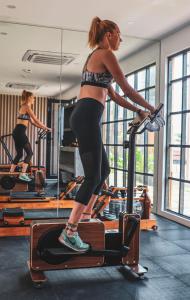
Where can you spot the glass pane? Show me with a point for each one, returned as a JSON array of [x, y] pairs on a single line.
[[150, 188], [112, 110], [111, 156], [107, 107], [120, 112], [173, 200], [188, 94], [151, 97], [152, 80], [104, 128], [188, 63], [120, 133], [131, 80], [139, 179], [126, 175], [186, 210], [176, 96], [142, 93], [139, 159], [114, 85], [130, 113], [150, 138], [177, 66], [150, 160], [176, 129], [111, 178], [187, 138], [120, 157], [111, 133], [174, 154], [104, 117], [120, 178], [140, 139], [120, 91], [126, 157], [141, 78], [187, 164]]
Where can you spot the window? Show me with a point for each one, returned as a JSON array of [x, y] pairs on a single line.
[[114, 128], [178, 135]]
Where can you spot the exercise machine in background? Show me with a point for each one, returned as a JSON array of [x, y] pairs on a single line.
[[11, 185]]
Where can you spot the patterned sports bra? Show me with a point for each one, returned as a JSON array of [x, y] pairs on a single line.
[[24, 117], [103, 79]]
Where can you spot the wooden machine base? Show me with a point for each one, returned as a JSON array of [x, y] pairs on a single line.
[[92, 232], [38, 277]]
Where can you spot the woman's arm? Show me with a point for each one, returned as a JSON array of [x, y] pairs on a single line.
[[33, 123], [111, 64], [34, 119], [124, 103], [120, 100]]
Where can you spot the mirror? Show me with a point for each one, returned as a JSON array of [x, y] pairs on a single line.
[[49, 62], [31, 60]]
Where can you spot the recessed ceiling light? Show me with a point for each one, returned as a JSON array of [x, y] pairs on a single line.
[[11, 6]]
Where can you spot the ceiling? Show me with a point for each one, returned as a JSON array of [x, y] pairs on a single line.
[[140, 22]]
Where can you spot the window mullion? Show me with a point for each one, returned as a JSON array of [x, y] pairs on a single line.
[[183, 136]]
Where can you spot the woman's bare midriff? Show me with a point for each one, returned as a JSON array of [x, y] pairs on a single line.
[[22, 122], [98, 93]]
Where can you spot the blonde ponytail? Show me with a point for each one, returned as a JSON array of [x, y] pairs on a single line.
[[25, 96], [98, 29]]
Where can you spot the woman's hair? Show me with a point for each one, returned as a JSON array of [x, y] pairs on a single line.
[[98, 29], [25, 96]]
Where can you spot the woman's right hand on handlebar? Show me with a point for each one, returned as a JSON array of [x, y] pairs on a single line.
[[48, 129], [143, 114], [152, 110]]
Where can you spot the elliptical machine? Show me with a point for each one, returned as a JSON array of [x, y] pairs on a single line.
[[106, 248]]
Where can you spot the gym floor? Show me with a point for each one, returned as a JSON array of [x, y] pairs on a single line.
[[166, 253]]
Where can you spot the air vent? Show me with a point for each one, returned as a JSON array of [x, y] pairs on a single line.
[[22, 86], [50, 58]]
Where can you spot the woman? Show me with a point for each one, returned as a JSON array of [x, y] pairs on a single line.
[[100, 69], [25, 116]]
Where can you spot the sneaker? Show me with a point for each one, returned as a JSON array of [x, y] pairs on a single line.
[[24, 177], [73, 242]]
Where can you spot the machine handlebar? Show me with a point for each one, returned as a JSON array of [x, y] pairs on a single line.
[[151, 122]]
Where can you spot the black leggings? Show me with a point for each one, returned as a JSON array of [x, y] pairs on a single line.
[[85, 123], [21, 143]]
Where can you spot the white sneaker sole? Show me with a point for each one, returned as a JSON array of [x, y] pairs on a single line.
[[26, 180]]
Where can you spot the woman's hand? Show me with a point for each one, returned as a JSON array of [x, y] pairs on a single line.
[[152, 109], [48, 129], [142, 114]]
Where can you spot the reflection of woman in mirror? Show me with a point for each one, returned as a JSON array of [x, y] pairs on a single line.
[[25, 115], [100, 69]]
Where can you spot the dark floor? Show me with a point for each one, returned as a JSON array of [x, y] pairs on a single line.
[[166, 253]]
